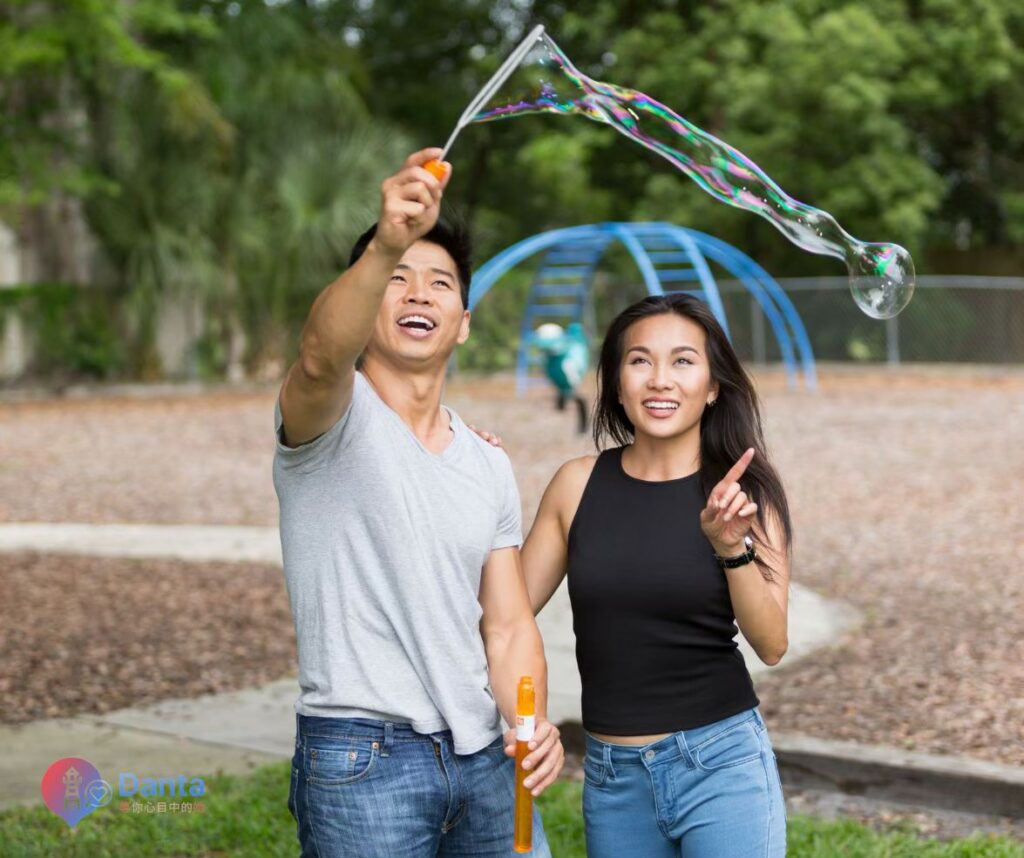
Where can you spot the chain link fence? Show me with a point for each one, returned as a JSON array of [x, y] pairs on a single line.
[[954, 319], [951, 319]]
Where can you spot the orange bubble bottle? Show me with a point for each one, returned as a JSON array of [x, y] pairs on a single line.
[[525, 724]]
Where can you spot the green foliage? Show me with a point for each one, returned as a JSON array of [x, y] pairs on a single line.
[[76, 334], [232, 151], [495, 326], [51, 56]]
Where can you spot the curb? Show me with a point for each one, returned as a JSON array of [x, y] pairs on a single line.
[[937, 781], [875, 771]]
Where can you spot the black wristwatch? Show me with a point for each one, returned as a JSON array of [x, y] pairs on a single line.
[[743, 559]]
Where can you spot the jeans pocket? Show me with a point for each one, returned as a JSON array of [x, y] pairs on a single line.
[[334, 762], [497, 746], [734, 746], [594, 771]]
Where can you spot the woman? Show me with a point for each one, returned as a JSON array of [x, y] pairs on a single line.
[[669, 541]]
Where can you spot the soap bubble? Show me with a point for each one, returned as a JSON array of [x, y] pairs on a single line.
[[546, 81]]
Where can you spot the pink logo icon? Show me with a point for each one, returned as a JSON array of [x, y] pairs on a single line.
[[72, 788]]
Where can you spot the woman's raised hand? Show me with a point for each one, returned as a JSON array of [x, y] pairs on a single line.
[[726, 518]]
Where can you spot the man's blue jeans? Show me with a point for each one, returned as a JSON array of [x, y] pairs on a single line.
[[374, 789], [710, 792]]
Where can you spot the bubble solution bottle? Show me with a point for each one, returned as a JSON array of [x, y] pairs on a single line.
[[525, 724]]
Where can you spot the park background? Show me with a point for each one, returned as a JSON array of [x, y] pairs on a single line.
[[203, 167], [178, 180]]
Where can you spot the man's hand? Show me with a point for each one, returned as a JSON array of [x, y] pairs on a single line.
[[410, 203], [546, 757]]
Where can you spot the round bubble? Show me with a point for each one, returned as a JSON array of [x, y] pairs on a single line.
[[881, 279]]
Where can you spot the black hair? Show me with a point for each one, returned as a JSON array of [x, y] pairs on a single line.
[[452, 235], [727, 429]]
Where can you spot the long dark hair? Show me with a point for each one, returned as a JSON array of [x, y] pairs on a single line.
[[727, 429]]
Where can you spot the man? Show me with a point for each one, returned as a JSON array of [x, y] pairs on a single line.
[[400, 530]]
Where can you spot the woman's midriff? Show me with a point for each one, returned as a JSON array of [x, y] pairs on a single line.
[[630, 740]]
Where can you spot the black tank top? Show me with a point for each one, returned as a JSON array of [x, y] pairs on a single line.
[[654, 623]]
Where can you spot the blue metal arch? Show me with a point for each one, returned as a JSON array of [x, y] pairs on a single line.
[[666, 255]]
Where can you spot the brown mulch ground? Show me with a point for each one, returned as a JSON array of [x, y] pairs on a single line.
[[905, 491], [94, 634]]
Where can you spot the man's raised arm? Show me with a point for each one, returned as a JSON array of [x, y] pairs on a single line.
[[318, 387]]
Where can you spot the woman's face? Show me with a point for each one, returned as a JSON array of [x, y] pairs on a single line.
[[665, 378]]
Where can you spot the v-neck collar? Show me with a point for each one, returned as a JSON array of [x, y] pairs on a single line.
[[453, 422]]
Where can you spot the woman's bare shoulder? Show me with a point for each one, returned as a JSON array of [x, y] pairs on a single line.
[[578, 468], [567, 485]]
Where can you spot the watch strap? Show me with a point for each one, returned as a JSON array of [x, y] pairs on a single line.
[[743, 559]]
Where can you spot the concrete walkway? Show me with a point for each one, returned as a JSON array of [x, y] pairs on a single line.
[[235, 731], [182, 541]]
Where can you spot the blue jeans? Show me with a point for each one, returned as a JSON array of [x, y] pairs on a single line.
[[374, 789], [710, 792]]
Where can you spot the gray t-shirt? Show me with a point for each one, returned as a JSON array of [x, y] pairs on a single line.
[[384, 543]]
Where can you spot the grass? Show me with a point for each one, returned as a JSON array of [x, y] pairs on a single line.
[[246, 817]]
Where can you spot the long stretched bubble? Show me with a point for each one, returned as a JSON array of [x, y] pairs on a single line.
[[546, 81]]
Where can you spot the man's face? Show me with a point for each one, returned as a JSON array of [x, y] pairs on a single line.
[[422, 318]]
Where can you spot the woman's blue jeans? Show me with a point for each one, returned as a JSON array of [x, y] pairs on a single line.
[[710, 792]]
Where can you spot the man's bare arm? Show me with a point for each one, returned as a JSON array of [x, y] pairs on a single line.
[[514, 649], [318, 387]]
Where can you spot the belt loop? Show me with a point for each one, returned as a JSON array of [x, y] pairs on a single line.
[[389, 738], [684, 749], [298, 732], [607, 751]]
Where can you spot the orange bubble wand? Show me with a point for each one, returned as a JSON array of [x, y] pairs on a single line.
[[503, 73], [526, 710]]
